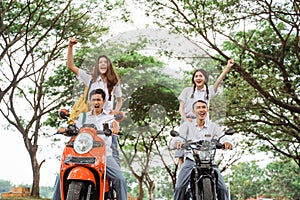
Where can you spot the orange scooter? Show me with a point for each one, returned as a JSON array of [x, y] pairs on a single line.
[[83, 162]]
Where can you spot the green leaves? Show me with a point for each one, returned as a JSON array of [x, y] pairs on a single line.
[[278, 179], [148, 95], [261, 91]]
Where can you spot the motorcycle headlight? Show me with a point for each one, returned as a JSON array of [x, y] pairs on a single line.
[[204, 155], [83, 143]]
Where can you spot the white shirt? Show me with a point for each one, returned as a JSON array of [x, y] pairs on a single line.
[[191, 131], [186, 94], [98, 122]]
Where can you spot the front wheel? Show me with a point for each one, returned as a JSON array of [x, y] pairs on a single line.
[[207, 189], [112, 193], [78, 190]]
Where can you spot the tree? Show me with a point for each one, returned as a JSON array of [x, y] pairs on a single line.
[[144, 89], [5, 186], [277, 180], [150, 101], [33, 37], [263, 37], [246, 180], [282, 179]]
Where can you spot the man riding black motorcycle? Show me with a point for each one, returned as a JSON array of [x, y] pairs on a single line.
[[199, 129]]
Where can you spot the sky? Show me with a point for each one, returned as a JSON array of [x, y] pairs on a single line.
[[15, 160]]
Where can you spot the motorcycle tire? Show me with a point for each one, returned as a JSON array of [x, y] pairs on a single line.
[[77, 191], [110, 195], [187, 194], [207, 190]]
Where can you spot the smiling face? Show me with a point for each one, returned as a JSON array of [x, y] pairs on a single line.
[[103, 64], [200, 110], [199, 79]]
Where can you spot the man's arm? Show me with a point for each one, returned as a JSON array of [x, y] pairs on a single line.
[[177, 142], [227, 145], [224, 139], [226, 142]]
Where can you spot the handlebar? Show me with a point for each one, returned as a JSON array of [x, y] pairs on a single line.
[[72, 130], [198, 144]]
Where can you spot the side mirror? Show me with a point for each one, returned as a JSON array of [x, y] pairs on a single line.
[[106, 129], [229, 131], [174, 133], [63, 113], [119, 116]]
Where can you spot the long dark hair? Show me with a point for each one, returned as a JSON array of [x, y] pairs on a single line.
[[202, 71], [111, 75]]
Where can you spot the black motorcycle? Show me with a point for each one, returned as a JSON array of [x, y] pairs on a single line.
[[203, 179]]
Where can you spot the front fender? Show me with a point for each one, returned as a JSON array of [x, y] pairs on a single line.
[[81, 173]]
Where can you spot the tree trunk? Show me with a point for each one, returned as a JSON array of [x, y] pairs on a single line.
[[151, 193], [35, 190], [140, 191]]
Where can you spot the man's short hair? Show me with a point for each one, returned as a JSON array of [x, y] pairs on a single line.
[[98, 91], [199, 101]]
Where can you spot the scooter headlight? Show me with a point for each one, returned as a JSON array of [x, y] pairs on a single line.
[[83, 143]]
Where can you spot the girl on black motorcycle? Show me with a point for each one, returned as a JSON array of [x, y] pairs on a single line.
[[196, 130]]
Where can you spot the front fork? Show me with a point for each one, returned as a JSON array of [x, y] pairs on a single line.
[[198, 180], [196, 185]]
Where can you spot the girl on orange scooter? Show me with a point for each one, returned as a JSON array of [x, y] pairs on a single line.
[[105, 77]]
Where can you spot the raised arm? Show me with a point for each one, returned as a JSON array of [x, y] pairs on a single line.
[[70, 59], [230, 63]]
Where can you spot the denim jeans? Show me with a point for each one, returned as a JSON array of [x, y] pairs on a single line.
[[115, 149]]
